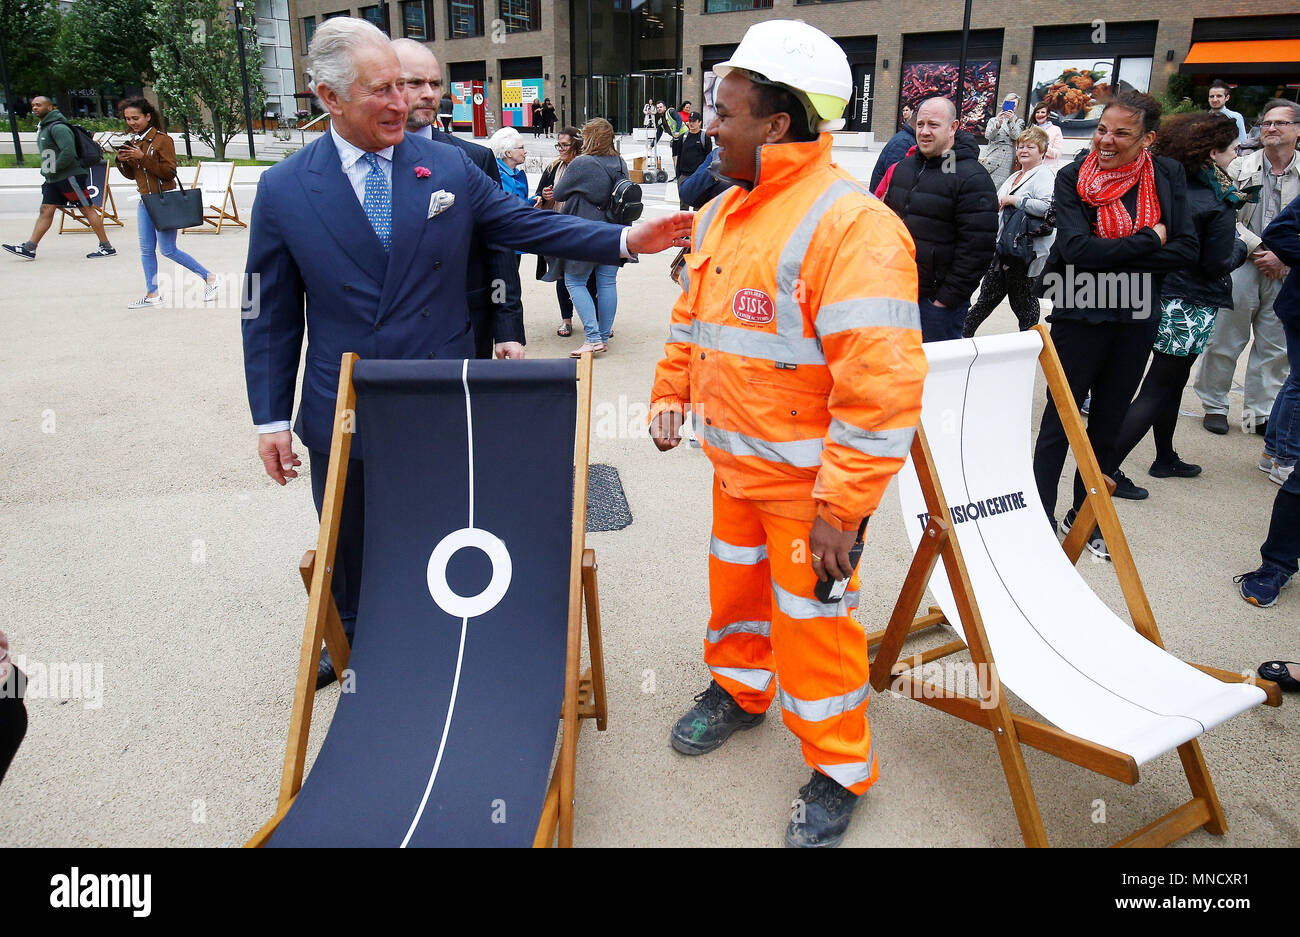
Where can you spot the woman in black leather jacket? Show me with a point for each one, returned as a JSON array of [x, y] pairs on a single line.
[[1189, 298]]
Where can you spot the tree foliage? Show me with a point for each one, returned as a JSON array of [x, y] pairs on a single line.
[[106, 42], [29, 30], [197, 63]]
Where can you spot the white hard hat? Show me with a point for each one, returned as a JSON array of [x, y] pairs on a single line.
[[803, 59]]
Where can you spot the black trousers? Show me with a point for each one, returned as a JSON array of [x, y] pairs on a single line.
[[1107, 360], [13, 718], [1282, 548], [1156, 407], [1004, 278], [346, 584]]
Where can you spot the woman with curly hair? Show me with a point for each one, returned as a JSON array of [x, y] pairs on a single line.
[[1189, 297]]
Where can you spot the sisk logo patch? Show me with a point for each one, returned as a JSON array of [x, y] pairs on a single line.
[[749, 305]]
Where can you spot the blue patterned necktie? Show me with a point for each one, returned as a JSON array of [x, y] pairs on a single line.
[[378, 201]]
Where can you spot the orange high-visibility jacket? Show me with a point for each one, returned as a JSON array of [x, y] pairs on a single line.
[[797, 339]]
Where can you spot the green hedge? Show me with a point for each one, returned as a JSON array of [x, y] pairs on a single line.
[[93, 125]]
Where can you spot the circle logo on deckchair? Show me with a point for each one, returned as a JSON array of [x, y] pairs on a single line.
[[453, 603], [753, 306]]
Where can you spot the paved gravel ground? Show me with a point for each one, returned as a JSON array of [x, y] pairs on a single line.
[[142, 540]]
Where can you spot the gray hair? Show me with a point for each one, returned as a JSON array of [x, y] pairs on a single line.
[[1281, 102], [507, 138], [329, 58]]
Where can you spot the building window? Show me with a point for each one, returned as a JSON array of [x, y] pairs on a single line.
[[733, 6], [308, 30], [520, 16], [376, 16], [465, 18], [415, 23]]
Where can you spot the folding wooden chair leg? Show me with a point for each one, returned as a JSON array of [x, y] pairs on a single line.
[[1198, 778], [594, 646], [319, 600], [336, 639], [909, 600]]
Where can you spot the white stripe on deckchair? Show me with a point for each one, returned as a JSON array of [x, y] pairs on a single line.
[[464, 622]]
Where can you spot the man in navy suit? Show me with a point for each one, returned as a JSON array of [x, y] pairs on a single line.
[[359, 241], [495, 310]]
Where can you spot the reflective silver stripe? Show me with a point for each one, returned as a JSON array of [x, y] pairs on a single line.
[[679, 333], [739, 627], [796, 606], [854, 772], [684, 279], [867, 313], [882, 443], [741, 556], [753, 678], [703, 221], [750, 344], [816, 710], [801, 453], [789, 316]]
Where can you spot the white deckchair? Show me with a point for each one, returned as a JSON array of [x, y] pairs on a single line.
[[1114, 697], [219, 208]]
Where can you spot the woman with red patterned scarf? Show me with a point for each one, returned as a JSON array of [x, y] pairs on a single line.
[[1121, 224]]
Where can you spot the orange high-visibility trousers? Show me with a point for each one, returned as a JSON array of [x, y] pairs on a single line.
[[770, 637]]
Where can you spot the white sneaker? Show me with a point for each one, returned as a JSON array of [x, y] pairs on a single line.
[[1267, 463], [211, 292], [1280, 473], [144, 302]]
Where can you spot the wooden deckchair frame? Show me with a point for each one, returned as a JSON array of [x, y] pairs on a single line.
[[989, 710], [215, 217], [584, 694], [107, 209]]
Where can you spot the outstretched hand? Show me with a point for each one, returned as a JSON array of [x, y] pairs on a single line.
[[651, 237]]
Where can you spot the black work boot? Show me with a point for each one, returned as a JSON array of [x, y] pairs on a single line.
[[711, 721], [821, 814]]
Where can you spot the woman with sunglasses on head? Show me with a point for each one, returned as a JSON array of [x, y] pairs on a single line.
[[1122, 222], [149, 158], [568, 143]]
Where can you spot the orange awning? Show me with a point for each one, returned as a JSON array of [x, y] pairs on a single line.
[[1247, 56]]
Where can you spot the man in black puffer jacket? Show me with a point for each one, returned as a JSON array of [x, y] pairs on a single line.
[[949, 204]]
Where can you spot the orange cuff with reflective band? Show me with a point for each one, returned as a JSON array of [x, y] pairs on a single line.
[[825, 513]]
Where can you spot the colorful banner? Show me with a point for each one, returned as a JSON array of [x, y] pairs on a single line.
[[923, 80], [517, 97], [462, 96]]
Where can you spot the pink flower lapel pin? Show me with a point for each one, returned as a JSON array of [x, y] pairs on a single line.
[[422, 173]]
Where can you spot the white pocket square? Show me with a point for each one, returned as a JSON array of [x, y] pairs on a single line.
[[439, 202]]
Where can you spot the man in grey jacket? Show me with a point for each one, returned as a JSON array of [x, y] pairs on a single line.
[[1274, 172]]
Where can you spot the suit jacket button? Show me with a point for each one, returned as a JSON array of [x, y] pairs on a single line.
[[431, 354], [378, 327], [425, 313], [437, 265]]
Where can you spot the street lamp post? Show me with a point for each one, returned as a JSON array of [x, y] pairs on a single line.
[[243, 74], [961, 65], [9, 104]]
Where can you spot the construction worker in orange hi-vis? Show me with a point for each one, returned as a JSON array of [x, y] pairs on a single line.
[[797, 344]]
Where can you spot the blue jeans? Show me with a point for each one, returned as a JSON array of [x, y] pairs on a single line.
[[1283, 436], [165, 242], [595, 326], [941, 324]]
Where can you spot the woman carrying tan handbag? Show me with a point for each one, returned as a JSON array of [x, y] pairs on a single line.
[[150, 159]]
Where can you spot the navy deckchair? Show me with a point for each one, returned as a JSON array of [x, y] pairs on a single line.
[[468, 635]]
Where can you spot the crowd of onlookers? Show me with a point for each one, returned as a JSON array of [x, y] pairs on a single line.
[[1167, 240]]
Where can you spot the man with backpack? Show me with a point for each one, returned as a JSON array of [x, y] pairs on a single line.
[[65, 166], [690, 152]]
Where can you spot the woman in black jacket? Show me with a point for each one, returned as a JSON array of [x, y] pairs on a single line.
[[1189, 298], [1121, 222]]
